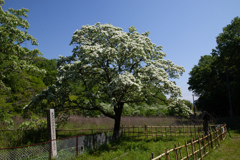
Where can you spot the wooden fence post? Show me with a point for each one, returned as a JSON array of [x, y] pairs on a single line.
[[162, 130], [221, 133], [176, 153], [183, 130], [191, 130], [146, 131], [217, 136], [198, 152], [170, 130], [225, 131], [133, 131], [187, 150], [167, 155], [175, 129], [166, 130], [192, 149], [138, 131], [152, 131], [204, 147], [122, 130], [194, 144], [195, 130], [156, 130], [179, 130], [200, 149], [211, 140], [209, 144], [152, 155], [180, 151]]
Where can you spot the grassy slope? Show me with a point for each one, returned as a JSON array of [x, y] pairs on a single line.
[[229, 149]]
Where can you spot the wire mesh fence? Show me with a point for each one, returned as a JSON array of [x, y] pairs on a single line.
[[67, 148], [36, 151]]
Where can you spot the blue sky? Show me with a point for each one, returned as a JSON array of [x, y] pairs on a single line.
[[186, 29]]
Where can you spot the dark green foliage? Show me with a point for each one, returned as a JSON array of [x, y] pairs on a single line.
[[23, 87], [51, 69], [210, 78]]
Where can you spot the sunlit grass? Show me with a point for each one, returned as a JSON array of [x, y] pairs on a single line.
[[229, 149], [133, 148]]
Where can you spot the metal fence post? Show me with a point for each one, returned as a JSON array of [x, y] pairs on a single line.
[[76, 146], [49, 151]]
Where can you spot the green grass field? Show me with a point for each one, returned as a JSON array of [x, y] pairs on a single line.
[[132, 148], [135, 148], [140, 149]]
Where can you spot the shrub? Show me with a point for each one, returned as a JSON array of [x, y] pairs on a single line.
[[179, 108], [6, 119], [34, 130]]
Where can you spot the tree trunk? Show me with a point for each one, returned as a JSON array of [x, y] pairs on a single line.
[[118, 113], [229, 95]]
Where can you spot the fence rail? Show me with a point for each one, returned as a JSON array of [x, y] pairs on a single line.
[[196, 148], [157, 131]]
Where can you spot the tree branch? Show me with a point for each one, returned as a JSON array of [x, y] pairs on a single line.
[[96, 108]]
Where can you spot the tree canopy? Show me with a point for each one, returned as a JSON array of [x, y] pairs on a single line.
[[113, 68], [216, 78], [13, 33], [19, 77]]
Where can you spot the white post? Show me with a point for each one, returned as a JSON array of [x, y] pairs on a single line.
[[52, 131]]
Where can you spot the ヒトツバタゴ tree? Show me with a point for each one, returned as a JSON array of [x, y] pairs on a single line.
[[19, 77], [113, 68], [13, 33]]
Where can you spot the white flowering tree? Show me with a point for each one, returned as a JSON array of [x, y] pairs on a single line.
[[179, 108], [13, 33], [113, 68], [19, 77]]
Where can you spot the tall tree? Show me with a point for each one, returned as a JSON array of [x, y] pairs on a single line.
[[228, 49], [218, 81], [13, 33], [113, 68], [206, 80], [16, 82]]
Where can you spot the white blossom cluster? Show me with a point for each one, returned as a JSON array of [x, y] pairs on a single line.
[[116, 66], [179, 108]]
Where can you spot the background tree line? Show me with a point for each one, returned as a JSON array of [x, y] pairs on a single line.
[[216, 78]]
